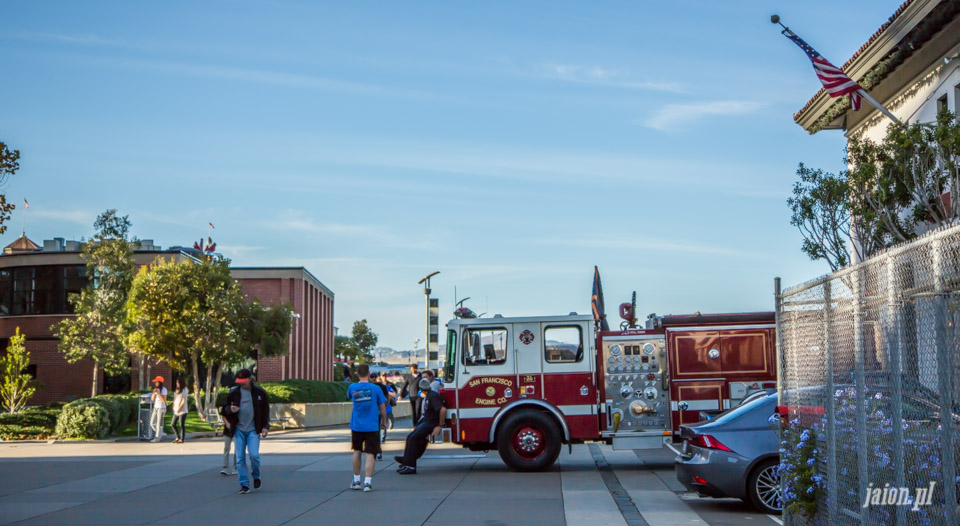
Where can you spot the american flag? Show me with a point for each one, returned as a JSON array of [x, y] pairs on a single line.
[[834, 80], [25, 203]]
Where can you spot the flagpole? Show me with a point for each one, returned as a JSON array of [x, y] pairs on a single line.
[[863, 93]]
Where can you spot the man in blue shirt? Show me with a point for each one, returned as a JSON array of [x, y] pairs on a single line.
[[368, 418]]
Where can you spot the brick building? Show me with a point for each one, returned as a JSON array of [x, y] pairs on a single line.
[[35, 282]]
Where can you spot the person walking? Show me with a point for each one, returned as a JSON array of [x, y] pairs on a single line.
[[248, 410], [227, 470], [181, 395], [159, 399], [410, 391], [367, 419], [430, 424]]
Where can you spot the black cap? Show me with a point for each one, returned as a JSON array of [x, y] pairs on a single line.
[[243, 376]]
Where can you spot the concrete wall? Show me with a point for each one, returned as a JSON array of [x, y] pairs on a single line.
[[317, 415]]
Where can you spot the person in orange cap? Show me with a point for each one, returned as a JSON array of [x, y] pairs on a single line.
[[159, 399]]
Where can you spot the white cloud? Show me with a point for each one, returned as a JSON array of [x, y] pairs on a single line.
[[653, 244], [83, 217], [673, 116], [601, 76], [61, 37]]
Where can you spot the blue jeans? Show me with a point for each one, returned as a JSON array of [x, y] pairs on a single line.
[[244, 442]]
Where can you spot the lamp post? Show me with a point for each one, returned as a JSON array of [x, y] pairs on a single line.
[[430, 343], [413, 354]]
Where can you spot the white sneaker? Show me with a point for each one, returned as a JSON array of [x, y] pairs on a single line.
[[226, 472], [355, 485], [367, 487]]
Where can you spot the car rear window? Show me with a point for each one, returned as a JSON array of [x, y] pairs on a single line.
[[737, 412]]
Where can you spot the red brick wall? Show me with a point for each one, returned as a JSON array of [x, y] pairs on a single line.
[[311, 341]]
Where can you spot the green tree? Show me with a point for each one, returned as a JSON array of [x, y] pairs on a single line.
[[364, 339], [16, 386], [345, 348], [97, 332], [191, 314], [901, 181], [9, 164]]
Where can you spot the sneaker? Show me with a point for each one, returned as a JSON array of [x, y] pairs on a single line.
[[407, 470], [367, 487], [355, 485], [244, 490], [257, 483], [225, 472]]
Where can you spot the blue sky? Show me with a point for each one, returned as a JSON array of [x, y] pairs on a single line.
[[512, 146]]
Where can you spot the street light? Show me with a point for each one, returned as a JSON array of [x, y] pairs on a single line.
[[430, 343]]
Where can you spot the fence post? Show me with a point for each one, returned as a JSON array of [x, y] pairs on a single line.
[[863, 467], [833, 485], [945, 379], [893, 336], [777, 307]]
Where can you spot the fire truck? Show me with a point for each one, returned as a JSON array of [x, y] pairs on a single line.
[[527, 386]]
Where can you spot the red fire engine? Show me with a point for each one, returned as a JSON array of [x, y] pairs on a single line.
[[526, 386]]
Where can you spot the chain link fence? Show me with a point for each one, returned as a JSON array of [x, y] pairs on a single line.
[[870, 377]]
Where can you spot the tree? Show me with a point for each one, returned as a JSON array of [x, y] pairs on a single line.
[[894, 189], [97, 332], [16, 386], [345, 348], [902, 181], [191, 314], [9, 164], [365, 340]]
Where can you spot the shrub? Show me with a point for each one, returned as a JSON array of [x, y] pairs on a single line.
[[83, 419], [29, 418], [14, 432], [116, 411], [129, 406], [298, 392]]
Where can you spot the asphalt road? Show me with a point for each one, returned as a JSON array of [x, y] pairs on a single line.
[[306, 475]]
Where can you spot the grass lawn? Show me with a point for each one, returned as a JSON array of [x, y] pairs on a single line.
[[193, 425]]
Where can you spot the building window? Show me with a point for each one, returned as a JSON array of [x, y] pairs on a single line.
[[485, 347], [942, 104], [956, 98], [563, 344], [41, 289]]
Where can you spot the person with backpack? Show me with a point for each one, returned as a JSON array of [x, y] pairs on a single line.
[[248, 411]]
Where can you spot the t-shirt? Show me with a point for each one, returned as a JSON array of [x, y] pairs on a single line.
[[158, 401], [245, 424], [431, 409], [180, 401], [367, 399]]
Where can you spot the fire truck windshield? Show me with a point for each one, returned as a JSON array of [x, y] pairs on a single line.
[[451, 363]]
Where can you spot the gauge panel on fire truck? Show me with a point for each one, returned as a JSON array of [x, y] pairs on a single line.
[[635, 380]]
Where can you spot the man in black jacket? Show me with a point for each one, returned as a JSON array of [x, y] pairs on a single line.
[[247, 415], [411, 389], [430, 424]]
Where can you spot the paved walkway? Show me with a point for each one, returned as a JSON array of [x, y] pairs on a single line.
[[305, 478]]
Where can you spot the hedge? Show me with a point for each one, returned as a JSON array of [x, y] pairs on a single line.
[[298, 392], [29, 424], [83, 418]]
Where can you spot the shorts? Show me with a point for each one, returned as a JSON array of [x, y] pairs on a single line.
[[366, 441]]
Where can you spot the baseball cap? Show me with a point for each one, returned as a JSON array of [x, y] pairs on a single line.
[[243, 376], [424, 384], [158, 379]]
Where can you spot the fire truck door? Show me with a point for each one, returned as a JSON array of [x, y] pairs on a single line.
[[487, 377], [528, 346], [568, 379]]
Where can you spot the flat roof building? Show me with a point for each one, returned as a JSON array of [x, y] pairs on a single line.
[[36, 281]]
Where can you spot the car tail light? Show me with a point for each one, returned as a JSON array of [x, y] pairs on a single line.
[[709, 442], [700, 480]]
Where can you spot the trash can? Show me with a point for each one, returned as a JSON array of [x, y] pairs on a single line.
[[144, 432]]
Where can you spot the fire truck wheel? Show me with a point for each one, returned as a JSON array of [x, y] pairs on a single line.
[[529, 440]]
